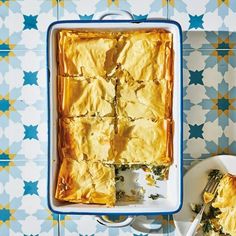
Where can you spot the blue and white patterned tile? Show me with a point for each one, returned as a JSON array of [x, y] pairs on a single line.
[[24, 23], [23, 104], [76, 9], [209, 40], [23, 206], [152, 9], [209, 102], [79, 9], [230, 18], [104, 5], [207, 15], [74, 225]]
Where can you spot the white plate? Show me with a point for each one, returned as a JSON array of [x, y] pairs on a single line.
[[194, 182]]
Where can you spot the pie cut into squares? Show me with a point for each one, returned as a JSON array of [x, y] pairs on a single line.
[[91, 97], [86, 182], [84, 138], [143, 141], [150, 99], [87, 54], [146, 55], [226, 202]]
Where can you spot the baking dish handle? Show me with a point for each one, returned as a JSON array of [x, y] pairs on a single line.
[[104, 220], [123, 13]]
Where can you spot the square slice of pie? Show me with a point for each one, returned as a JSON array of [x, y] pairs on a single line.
[[90, 97], [86, 182], [149, 100], [143, 141], [146, 55], [87, 54], [83, 138]]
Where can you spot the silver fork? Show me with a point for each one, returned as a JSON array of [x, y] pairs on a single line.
[[210, 192]]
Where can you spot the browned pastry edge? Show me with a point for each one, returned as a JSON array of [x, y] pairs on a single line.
[[169, 77]]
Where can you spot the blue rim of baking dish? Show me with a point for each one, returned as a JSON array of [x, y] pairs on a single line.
[[181, 114]]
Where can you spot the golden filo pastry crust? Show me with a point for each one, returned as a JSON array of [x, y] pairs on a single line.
[[85, 138], [86, 182], [146, 55], [226, 202], [150, 99], [115, 107], [80, 97], [86, 54], [143, 141]]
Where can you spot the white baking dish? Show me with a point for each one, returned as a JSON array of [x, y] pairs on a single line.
[[171, 189]]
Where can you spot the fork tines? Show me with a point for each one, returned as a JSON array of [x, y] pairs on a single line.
[[212, 184]]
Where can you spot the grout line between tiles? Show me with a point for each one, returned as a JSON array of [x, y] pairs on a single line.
[[167, 6], [57, 10], [23, 160], [24, 50], [209, 49], [184, 49], [59, 225]]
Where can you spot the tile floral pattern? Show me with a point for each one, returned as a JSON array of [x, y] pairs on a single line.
[[78, 9], [209, 101], [72, 225], [22, 105], [210, 15], [23, 205], [209, 40], [23, 23]]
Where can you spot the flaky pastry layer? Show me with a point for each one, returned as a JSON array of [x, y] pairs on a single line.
[[146, 55], [86, 182], [226, 202], [86, 54], [149, 99], [104, 79], [143, 142], [86, 138], [90, 97]]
